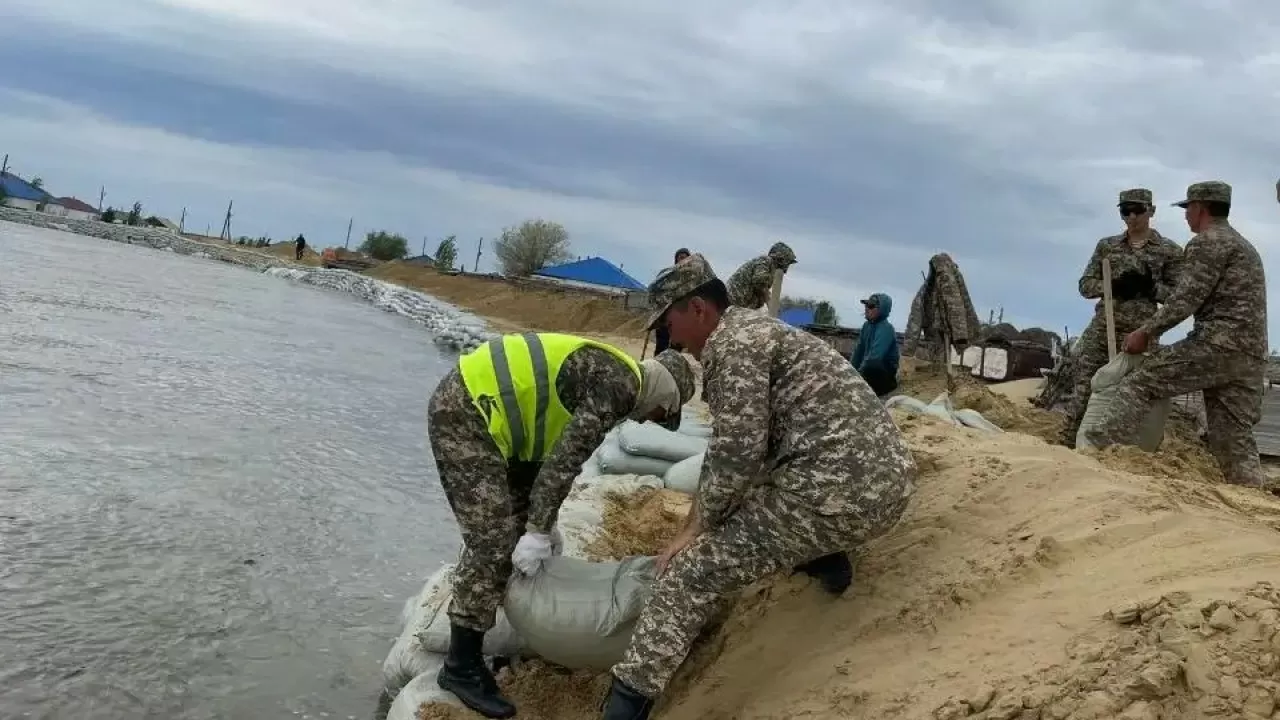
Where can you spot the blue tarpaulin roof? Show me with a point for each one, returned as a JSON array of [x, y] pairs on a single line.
[[798, 316], [16, 187], [593, 270]]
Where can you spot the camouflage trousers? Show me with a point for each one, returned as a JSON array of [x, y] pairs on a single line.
[[771, 531], [1090, 356], [1232, 384], [489, 498]]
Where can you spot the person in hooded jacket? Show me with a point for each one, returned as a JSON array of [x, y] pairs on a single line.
[[875, 357]]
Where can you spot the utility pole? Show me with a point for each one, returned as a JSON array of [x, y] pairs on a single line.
[[479, 249], [182, 223], [347, 246], [424, 244], [102, 195], [1001, 313], [226, 224], [4, 167]]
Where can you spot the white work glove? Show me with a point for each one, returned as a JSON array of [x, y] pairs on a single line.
[[532, 549]]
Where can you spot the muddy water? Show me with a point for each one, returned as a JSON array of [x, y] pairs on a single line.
[[215, 487]]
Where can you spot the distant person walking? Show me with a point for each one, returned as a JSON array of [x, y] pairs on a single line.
[[662, 339], [299, 247]]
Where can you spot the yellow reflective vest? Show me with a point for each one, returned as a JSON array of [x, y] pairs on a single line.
[[512, 382]]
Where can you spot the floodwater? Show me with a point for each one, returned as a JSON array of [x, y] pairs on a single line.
[[215, 486]]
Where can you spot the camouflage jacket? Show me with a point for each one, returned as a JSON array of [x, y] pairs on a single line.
[[750, 284], [789, 410], [1160, 258], [600, 392], [942, 305], [1223, 284]]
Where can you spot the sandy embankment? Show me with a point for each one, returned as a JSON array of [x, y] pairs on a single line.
[[1025, 581]]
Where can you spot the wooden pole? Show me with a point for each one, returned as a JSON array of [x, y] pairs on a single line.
[[1109, 308], [476, 269], [645, 350], [347, 244], [775, 293]]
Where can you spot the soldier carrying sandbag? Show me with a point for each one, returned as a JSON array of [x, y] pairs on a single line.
[[803, 463], [510, 428], [1144, 271], [1223, 285]]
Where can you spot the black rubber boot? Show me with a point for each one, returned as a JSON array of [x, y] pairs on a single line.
[[464, 674], [624, 703], [834, 571]]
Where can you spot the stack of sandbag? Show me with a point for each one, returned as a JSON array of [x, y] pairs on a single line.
[[649, 449], [1149, 434], [573, 612], [942, 409], [425, 639]]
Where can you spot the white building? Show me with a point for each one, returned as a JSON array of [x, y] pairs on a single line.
[[71, 208]]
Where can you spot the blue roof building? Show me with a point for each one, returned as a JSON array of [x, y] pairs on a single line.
[[15, 188], [797, 316], [592, 272]]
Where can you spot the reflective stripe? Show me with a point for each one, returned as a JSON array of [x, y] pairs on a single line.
[[542, 386], [507, 391]]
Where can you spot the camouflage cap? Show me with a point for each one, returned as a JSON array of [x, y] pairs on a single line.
[[1136, 195], [1208, 191], [680, 370], [675, 282], [782, 254]]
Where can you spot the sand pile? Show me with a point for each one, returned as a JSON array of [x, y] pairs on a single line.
[[1170, 656], [991, 599], [639, 524], [548, 310], [287, 251], [925, 382]]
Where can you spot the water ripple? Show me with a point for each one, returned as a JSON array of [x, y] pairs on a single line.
[[215, 487]]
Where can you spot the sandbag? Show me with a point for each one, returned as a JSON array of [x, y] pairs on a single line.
[[616, 461], [1149, 433], [942, 409], [684, 475], [654, 441], [974, 419], [906, 402], [580, 614], [582, 513], [426, 633], [420, 690]]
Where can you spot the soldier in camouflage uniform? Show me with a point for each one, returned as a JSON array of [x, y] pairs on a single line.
[[1144, 271], [510, 428], [804, 462], [1223, 285], [749, 286]]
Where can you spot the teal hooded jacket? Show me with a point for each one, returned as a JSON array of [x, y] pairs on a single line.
[[877, 348]]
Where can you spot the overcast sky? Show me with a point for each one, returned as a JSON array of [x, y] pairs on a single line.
[[868, 138]]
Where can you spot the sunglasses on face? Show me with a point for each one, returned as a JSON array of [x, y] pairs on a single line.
[[1132, 209]]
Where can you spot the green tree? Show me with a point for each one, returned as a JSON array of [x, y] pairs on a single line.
[[37, 183], [531, 246], [447, 253], [135, 215], [824, 313], [382, 245], [109, 215]]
